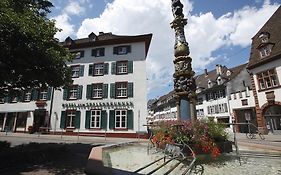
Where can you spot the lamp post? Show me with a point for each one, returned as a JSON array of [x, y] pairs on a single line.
[[184, 83]]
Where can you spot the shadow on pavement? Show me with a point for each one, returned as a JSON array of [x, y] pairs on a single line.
[[51, 158]]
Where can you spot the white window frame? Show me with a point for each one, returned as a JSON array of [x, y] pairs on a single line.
[[95, 120], [73, 92], [98, 69], [70, 119], [75, 70], [268, 79], [265, 51], [43, 95], [122, 89], [27, 96], [97, 90], [121, 119], [122, 67]]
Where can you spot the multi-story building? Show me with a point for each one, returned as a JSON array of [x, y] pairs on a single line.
[[108, 93], [223, 94], [265, 70]]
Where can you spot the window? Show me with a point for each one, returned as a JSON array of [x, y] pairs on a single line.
[[268, 79], [244, 102], [97, 91], [200, 101], [265, 51], [78, 54], [75, 71], [121, 119], [73, 92], [121, 50], [98, 69], [95, 118], [43, 95], [70, 119], [121, 89], [122, 67], [98, 52], [27, 96]]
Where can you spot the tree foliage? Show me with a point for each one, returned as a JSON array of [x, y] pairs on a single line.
[[30, 56]]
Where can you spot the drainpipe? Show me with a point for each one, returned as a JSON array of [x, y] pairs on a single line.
[[51, 107]]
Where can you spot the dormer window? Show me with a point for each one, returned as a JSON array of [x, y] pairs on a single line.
[[264, 37], [228, 73], [265, 51]]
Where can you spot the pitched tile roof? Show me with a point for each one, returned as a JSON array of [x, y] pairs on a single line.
[[273, 27]]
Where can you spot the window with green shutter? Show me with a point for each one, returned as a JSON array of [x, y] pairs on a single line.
[[105, 91], [65, 93], [79, 92], [105, 68], [111, 119], [130, 119], [81, 71], [34, 94], [112, 90], [49, 93], [130, 66], [103, 119], [88, 118], [130, 89], [77, 119], [62, 119], [91, 70], [113, 68], [89, 91]]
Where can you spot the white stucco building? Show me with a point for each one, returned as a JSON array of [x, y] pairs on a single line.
[[108, 94]]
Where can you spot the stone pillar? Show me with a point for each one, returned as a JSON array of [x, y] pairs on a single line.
[[184, 83]]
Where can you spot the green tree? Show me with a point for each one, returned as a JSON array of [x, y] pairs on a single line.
[[30, 56]]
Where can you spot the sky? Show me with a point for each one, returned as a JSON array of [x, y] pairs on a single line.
[[218, 31]]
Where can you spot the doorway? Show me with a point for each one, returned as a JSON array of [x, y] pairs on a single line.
[[273, 119], [39, 119]]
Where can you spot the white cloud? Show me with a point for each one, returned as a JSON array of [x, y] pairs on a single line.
[[204, 32], [62, 22], [74, 8]]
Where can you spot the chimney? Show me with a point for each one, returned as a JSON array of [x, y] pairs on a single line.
[[206, 72], [218, 69]]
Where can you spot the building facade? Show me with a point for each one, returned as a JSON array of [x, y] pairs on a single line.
[[107, 96], [265, 70]]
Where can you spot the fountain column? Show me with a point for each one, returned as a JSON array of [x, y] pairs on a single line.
[[184, 83]]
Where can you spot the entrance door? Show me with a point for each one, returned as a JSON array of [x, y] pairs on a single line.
[[273, 118], [39, 119]]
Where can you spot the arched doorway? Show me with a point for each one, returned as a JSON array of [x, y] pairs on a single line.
[[273, 119]]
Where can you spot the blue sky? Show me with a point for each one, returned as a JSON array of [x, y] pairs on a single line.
[[218, 31]]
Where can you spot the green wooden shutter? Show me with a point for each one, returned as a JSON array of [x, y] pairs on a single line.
[[21, 96], [128, 49], [111, 119], [62, 119], [113, 68], [34, 94], [87, 121], [104, 91], [81, 71], [130, 66], [77, 119], [115, 50], [130, 119], [49, 93], [91, 70], [130, 89], [89, 91], [102, 51], [112, 90], [65, 93], [105, 68], [94, 52], [103, 119], [80, 90], [82, 53]]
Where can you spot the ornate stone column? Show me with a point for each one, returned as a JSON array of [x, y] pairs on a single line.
[[184, 83]]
